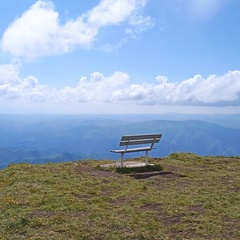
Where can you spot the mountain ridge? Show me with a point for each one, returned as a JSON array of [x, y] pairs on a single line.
[[53, 139]]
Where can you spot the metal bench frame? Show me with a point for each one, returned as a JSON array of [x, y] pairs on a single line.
[[146, 140]]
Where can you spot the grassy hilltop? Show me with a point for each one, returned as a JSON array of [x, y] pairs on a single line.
[[193, 197]]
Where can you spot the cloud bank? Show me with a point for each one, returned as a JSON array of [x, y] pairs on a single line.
[[38, 32], [118, 88]]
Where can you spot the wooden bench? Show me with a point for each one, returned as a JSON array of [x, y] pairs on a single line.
[[146, 141]]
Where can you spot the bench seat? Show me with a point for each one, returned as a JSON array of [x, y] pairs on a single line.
[[132, 150]]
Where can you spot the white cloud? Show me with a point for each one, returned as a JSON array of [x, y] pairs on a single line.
[[214, 90], [9, 72], [98, 88], [139, 24], [117, 89], [13, 88], [111, 12], [162, 79], [38, 32]]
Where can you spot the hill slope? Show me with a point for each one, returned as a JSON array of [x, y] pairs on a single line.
[[193, 198]]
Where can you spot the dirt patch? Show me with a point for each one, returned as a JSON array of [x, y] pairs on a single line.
[[197, 208], [231, 229], [170, 220], [101, 173], [161, 215], [40, 214], [89, 170], [153, 206], [122, 201]]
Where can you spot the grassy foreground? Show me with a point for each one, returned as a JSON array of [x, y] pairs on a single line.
[[192, 198]]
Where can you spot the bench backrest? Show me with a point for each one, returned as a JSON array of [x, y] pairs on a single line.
[[140, 139]]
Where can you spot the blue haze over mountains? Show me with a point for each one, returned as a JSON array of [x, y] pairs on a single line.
[[53, 138]]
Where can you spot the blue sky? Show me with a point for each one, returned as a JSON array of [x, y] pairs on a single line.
[[120, 56]]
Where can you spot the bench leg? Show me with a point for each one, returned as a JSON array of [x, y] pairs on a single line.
[[146, 158], [121, 160]]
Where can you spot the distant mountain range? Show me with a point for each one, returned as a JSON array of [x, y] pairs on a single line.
[[41, 139]]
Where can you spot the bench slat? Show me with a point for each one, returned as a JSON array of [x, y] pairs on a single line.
[[140, 139], [144, 136], [136, 142]]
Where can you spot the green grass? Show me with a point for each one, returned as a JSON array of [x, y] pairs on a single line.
[[193, 197]]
